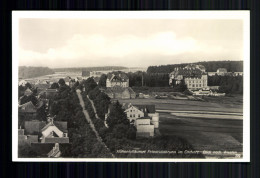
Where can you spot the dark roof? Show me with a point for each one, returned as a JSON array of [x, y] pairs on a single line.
[[188, 72], [28, 92], [27, 107], [62, 126], [42, 149], [149, 108], [118, 76], [118, 89], [33, 126]]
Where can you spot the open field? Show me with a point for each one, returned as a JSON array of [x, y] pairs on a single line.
[[213, 125]]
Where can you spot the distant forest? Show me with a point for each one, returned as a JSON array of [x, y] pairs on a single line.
[[29, 72], [80, 69], [211, 66]]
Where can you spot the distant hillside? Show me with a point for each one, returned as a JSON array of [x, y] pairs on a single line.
[[211, 66], [80, 69], [30, 72]]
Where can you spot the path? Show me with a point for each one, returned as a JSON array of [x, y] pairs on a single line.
[[91, 123], [93, 106]]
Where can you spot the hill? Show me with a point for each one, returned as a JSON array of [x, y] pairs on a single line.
[[211, 66]]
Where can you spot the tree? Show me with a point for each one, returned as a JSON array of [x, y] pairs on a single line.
[[61, 82], [117, 116], [54, 85], [102, 81]]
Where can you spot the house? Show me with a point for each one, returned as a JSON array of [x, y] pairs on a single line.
[[144, 127], [55, 132], [28, 92], [34, 126], [67, 80], [26, 139], [135, 111], [118, 92], [26, 111], [194, 77], [117, 79], [22, 83]]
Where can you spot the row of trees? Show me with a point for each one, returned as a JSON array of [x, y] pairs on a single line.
[[65, 105], [118, 124], [211, 66]]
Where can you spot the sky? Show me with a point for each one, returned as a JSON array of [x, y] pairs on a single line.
[[58, 43]]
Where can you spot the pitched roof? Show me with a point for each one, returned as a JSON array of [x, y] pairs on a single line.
[[117, 76], [27, 107], [62, 126], [28, 92], [33, 126], [146, 108]]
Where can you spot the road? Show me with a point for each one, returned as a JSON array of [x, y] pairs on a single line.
[[90, 121]]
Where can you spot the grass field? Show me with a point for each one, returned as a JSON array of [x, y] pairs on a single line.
[[219, 128]]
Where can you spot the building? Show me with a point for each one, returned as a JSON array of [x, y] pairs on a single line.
[[117, 79], [34, 127], [26, 139], [67, 80], [143, 117], [28, 92], [195, 66], [194, 76], [54, 132], [50, 150], [144, 128], [118, 92], [135, 111]]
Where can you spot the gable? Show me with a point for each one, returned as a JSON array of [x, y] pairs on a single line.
[[50, 129]]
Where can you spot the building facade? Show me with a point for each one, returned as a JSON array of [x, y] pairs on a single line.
[[194, 76], [117, 79]]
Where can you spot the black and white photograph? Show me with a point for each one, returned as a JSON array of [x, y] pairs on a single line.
[[147, 86]]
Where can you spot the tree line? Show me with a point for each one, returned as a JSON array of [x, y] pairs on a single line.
[[211, 66], [227, 84], [30, 72]]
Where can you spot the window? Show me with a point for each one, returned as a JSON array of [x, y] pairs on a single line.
[[138, 115], [130, 115], [193, 85], [134, 115]]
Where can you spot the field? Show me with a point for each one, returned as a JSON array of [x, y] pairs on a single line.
[[215, 124]]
